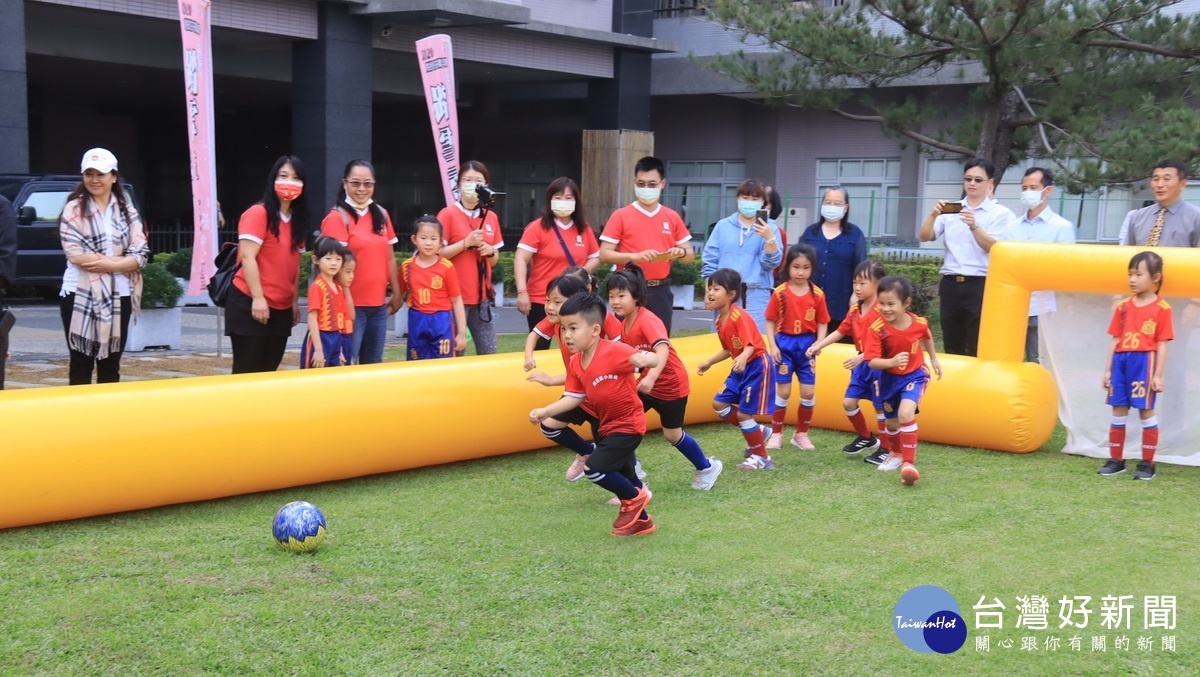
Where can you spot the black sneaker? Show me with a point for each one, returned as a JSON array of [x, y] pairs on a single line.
[[861, 444], [878, 457], [1145, 471], [1112, 467]]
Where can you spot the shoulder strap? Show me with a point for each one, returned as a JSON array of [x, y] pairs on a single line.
[[345, 220], [563, 242]]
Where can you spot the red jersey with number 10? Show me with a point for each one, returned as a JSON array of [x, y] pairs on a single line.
[[1140, 328], [644, 333], [608, 386], [739, 331], [429, 289], [885, 341], [857, 324]]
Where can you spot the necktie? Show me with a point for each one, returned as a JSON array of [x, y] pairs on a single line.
[[1156, 229]]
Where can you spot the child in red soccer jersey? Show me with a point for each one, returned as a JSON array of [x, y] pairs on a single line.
[[864, 381], [664, 388], [602, 373], [796, 319], [330, 338], [747, 390], [1141, 327], [437, 320], [893, 344]]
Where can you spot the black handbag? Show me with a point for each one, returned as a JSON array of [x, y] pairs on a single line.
[[227, 266]]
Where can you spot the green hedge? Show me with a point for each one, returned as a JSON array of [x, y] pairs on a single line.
[[160, 289], [922, 272]]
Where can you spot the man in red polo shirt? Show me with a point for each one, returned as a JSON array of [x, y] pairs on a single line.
[[649, 234]]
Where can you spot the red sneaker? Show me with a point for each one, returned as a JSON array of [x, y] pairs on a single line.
[[631, 510], [909, 474], [637, 528]]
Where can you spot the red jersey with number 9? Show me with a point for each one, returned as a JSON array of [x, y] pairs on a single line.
[[1139, 328]]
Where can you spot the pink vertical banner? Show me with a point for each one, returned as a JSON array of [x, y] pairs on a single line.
[[437, 76], [196, 29]]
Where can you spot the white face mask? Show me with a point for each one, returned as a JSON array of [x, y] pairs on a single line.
[[562, 208], [647, 196], [468, 189], [350, 201], [832, 212], [1032, 198]]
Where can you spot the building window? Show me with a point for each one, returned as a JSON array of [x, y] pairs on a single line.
[[874, 188], [704, 191], [672, 8]]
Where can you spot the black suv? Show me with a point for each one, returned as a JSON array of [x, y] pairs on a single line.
[[38, 201]]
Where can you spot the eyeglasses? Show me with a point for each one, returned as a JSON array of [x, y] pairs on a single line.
[[647, 184], [973, 179], [360, 184]]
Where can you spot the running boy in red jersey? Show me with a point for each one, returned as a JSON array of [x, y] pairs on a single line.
[[330, 338], [748, 389], [437, 322], [602, 372], [1141, 327], [664, 388], [893, 344]]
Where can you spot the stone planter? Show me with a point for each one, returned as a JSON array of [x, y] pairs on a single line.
[[685, 296], [156, 328], [200, 299], [499, 287], [400, 320]]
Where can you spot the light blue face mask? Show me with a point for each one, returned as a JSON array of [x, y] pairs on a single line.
[[748, 208]]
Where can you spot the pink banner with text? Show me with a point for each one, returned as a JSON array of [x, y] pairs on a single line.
[[196, 29], [437, 76]]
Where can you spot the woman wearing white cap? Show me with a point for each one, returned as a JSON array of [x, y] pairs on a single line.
[[105, 244]]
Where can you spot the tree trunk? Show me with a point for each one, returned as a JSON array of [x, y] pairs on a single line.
[[996, 137]]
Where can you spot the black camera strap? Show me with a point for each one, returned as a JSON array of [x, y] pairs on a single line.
[[485, 292], [563, 242]]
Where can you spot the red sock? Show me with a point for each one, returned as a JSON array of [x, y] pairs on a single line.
[[732, 416], [803, 418], [1116, 442], [1149, 443], [908, 443], [885, 438], [777, 419], [860, 423], [754, 441], [889, 441]]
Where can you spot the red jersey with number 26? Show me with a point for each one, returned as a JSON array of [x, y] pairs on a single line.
[[646, 332], [739, 331], [857, 324], [1140, 328], [885, 341], [607, 384]]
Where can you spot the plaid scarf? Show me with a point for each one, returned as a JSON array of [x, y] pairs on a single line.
[[96, 316]]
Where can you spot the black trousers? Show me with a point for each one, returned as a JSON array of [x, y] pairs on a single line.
[[961, 305], [252, 354], [537, 313], [107, 370], [661, 302]]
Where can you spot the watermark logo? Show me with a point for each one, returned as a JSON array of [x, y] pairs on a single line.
[[927, 619]]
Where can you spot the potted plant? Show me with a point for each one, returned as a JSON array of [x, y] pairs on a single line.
[[179, 264], [683, 283], [160, 323], [503, 275]]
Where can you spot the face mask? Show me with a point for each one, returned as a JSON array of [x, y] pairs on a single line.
[[358, 206], [647, 196], [832, 212], [468, 189], [748, 208], [562, 208], [1031, 198], [288, 189]]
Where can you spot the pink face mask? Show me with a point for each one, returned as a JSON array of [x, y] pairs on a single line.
[[288, 189]]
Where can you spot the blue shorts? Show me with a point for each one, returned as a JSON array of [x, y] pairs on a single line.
[[336, 346], [430, 335], [1130, 385], [752, 390], [895, 388], [793, 360], [864, 385]]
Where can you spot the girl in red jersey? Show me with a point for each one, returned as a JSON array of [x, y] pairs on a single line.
[[330, 338], [665, 387], [1141, 327], [747, 390], [437, 323], [893, 344], [796, 319], [864, 381]]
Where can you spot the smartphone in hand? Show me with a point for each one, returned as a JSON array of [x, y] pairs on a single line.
[[764, 214], [952, 208]]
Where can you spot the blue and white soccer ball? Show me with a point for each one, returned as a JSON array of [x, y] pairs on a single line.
[[299, 526]]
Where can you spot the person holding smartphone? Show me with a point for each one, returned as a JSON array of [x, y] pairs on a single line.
[[747, 241], [969, 227]]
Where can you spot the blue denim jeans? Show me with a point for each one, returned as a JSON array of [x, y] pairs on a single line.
[[370, 333]]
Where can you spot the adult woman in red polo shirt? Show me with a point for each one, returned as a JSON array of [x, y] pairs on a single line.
[[473, 243], [559, 239], [262, 306], [361, 224]]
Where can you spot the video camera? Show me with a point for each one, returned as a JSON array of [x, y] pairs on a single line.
[[487, 196]]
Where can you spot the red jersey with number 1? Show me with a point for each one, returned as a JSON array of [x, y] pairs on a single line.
[[885, 341], [644, 333], [739, 331], [429, 289], [607, 384], [1140, 328], [857, 324], [611, 330]]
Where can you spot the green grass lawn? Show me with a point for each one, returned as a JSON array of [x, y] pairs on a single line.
[[501, 566]]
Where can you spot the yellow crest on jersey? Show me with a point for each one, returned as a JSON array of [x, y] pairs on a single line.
[[436, 283], [737, 343], [810, 315], [783, 369], [1148, 327], [887, 406]]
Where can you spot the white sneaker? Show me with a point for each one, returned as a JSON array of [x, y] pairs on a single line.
[[576, 470], [775, 441], [706, 478], [756, 462], [892, 462], [637, 470], [616, 501], [801, 440]]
